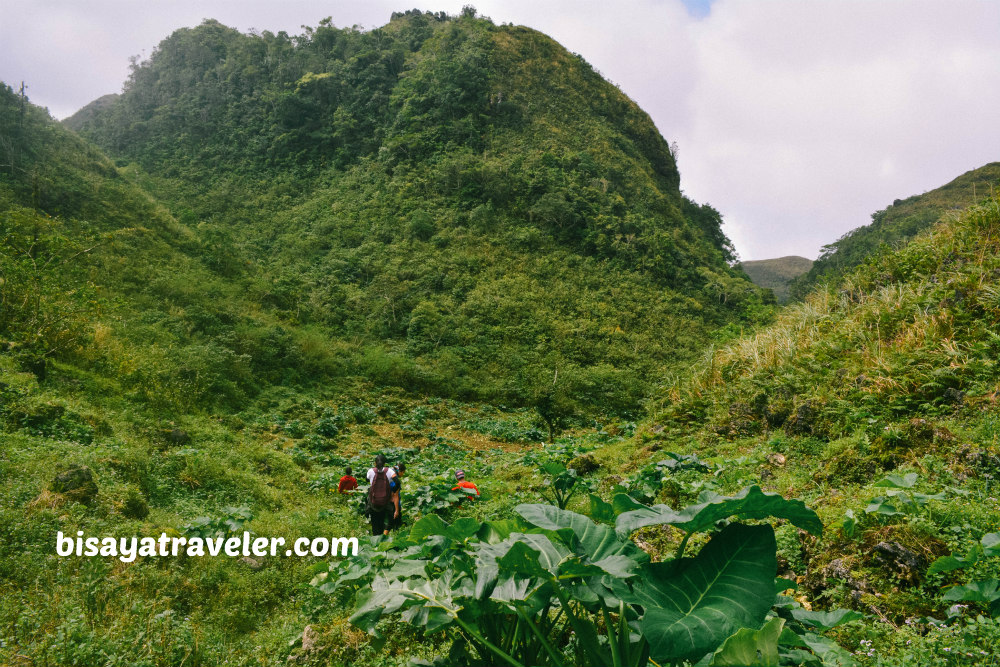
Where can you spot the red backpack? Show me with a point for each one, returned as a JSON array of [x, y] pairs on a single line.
[[378, 492]]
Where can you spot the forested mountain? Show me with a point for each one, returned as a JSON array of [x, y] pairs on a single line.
[[471, 204], [776, 274], [897, 224]]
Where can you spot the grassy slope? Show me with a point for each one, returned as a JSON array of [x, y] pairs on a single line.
[[839, 386], [776, 274], [893, 371], [897, 224]]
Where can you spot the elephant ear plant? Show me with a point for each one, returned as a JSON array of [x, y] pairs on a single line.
[[554, 587]]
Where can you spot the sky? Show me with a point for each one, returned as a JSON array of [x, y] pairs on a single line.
[[796, 119]]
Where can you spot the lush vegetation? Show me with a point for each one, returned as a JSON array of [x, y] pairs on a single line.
[[454, 244], [875, 401], [894, 225], [471, 204]]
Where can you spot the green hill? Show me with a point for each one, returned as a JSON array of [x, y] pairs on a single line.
[[448, 241], [776, 274], [897, 224], [470, 204], [874, 400]]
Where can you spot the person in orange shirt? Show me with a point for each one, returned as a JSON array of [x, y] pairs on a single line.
[[348, 482], [462, 484]]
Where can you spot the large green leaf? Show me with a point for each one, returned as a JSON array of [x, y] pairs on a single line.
[[987, 592], [750, 503], [830, 652], [826, 620], [693, 604], [949, 563], [440, 598], [492, 532], [597, 541], [895, 481], [432, 524], [751, 648], [601, 511], [531, 551]]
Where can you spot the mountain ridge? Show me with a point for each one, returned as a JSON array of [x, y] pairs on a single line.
[[896, 224]]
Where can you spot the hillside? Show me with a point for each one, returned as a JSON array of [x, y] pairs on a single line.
[[875, 401], [470, 203], [897, 224], [87, 114], [776, 274]]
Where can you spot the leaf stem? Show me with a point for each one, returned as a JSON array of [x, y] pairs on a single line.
[[490, 645]]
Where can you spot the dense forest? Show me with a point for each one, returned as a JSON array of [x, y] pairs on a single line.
[[454, 244], [471, 204]]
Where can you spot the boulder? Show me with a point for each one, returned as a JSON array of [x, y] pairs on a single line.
[[76, 483]]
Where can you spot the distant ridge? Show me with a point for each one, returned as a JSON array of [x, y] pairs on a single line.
[[86, 115], [776, 274]]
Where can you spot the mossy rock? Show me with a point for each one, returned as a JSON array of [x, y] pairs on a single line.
[[805, 420], [584, 464], [76, 483], [852, 467]]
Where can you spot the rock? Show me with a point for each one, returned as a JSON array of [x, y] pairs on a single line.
[[953, 396], [804, 421], [309, 637], [256, 566], [837, 570], [77, 484], [584, 464], [777, 459], [907, 564], [177, 437]]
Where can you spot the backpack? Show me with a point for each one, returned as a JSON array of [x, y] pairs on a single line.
[[378, 493]]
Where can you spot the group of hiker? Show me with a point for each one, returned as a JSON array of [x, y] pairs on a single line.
[[385, 485]]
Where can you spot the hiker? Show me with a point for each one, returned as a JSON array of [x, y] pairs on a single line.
[[396, 487], [380, 495], [348, 482], [462, 484]]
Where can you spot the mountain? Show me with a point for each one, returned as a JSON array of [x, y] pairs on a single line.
[[897, 224], [442, 241], [776, 274], [470, 205]]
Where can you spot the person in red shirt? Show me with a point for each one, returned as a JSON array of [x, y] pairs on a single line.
[[462, 484], [347, 482]]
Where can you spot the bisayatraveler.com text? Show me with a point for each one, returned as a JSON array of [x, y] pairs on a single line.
[[127, 549]]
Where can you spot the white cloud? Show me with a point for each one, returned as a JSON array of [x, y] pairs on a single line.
[[795, 119], [807, 117]]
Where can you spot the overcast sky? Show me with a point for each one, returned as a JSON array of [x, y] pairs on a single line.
[[796, 119]]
